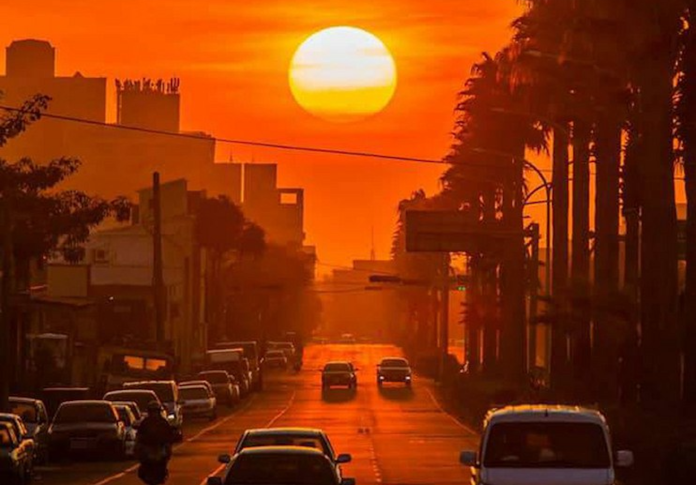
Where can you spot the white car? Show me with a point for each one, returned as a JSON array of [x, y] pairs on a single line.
[[545, 445], [196, 401], [275, 359], [126, 415]]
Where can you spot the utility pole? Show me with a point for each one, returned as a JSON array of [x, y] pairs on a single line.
[[5, 314], [157, 270], [533, 295], [444, 316]]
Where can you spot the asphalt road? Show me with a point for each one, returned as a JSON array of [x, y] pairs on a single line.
[[396, 435]]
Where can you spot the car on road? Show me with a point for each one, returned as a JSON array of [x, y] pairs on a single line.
[[198, 382], [35, 418], [275, 359], [394, 369], [141, 397], [21, 432], [338, 374], [279, 464], [87, 427], [130, 422], [305, 437], [137, 414], [347, 338], [196, 402], [288, 348], [168, 394], [220, 382], [15, 457], [540, 444], [251, 352]]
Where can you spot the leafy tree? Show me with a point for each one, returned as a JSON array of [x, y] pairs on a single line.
[[37, 219]]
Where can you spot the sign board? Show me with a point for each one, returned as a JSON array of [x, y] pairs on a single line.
[[450, 231]]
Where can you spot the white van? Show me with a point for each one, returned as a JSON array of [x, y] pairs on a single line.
[[545, 445]]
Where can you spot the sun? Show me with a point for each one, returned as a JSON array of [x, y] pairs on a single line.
[[342, 74]]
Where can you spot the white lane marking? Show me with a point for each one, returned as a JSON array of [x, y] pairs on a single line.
[[275, 418], [133, 468], [454, 420]]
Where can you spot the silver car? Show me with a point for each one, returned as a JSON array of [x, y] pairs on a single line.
[[197, 402]]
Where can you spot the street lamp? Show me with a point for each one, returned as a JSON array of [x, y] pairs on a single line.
[[546, 185]]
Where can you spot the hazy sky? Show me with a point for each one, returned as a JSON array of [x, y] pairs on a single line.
[[232, 57]]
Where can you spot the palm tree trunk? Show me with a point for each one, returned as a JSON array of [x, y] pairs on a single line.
[[559, 357], [606, 261], [658, 282], [580, 268]]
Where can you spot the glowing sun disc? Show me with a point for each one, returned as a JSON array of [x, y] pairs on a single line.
[[342, 74]]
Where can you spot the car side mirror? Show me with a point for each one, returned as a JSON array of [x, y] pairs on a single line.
[[624, 459], [344, 458], [468, 458], [348, 481], [224, 458], [214, 481]]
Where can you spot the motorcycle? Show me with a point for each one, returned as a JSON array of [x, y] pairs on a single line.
[[153, 464]]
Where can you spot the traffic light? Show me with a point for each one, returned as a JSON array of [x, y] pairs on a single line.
[[461, 281]]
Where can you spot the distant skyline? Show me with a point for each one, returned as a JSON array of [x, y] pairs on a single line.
[[233, 58]]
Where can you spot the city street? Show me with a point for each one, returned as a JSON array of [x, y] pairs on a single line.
[[396, 435]]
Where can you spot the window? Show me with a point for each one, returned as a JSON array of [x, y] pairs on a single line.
[[546, 445], [100, 255]]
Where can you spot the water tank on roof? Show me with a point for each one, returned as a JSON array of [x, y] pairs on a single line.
[[30, 58]]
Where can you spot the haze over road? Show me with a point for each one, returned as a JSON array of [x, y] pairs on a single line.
[[396, 435]]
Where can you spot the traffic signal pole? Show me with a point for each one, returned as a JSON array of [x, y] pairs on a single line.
[[444, 316]]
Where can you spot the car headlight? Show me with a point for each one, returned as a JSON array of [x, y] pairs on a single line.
[[381, 378], [408, 378], [171, 417]]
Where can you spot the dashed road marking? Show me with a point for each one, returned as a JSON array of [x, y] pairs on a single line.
[[193, 438], [275, 418]]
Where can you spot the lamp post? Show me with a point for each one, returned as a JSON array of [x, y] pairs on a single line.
[[547, 186]]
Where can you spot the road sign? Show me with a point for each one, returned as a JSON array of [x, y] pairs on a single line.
[[451, 231]]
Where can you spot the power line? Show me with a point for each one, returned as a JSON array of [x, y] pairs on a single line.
[[260, 144]]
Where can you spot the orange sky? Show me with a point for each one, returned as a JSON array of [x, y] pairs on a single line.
[[232, 57]]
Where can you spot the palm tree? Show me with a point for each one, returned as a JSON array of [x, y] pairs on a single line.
[[686, 133]]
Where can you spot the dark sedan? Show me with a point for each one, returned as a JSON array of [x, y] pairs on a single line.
[[338, 374], [87, 427], [394, 369]]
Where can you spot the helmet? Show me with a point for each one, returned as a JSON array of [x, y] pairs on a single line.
[[153, 407]]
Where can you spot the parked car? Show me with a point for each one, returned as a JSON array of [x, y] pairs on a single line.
[[87, 427], [279, 464], [21, 431], [15, 457], [53, 397], [134, 408], [275, 359], [168, 394], [288, 348], [197, 402], [129, 421], [545, 444], [394, 369], [198, 382], [35, 418], [338, 374], [251, 353], [305, 437], [220, 381], [141, 397]]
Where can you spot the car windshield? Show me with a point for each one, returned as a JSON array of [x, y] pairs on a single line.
[[5, 437], [401, 363], [85, 413], [27, 411], [124, 415], [214, 377], [546, 445], [256, 441], [141, 398], [164, 390], [193, 393], [275, 354], [337, 367], [285, 468]]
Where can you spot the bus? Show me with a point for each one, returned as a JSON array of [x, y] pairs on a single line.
[[120, 365]]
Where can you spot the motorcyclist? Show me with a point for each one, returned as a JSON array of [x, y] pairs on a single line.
[[154, 445]]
